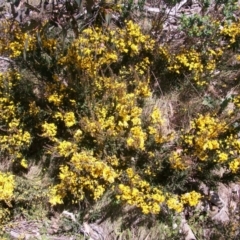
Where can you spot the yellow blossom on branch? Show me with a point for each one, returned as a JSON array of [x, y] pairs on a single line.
[[175, 204], [191, 198], [6, 186], [69, 119], [234, 165], [49, 130], [24, 163]]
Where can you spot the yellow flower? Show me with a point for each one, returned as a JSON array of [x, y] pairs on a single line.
[[33, 109], [211, 144], [49, 130], [156, 116], [145, 209], [6, 186], [98, 192], [58, 115], [64, 172], [177, 162], [65, 148], [130, 142], [113, 160], [55, 99], [14, 123], [130, 172], [108, 174], [137, 138], [222, 157], [173, 203], [24, 163], [155, 208], [69, 119], [54, 197], [191, 198], [152, 130], [78, 135], [234, 165]]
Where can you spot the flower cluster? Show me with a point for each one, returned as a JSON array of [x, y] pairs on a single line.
[[114, 116], [89, 108], [69, 119], [191, 198], [177, 203], [209, 140], [192, 61], [18, 41], [49, 130], [206, 136], [234, 165], [13, 138], [140, 193], [231, 31], [85, 173], [6, 186], [177, 161]]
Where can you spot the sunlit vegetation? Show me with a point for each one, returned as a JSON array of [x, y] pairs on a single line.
[[81, 100]]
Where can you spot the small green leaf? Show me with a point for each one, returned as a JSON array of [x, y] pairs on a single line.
[[224, 104], [108, 17], [79, 3]]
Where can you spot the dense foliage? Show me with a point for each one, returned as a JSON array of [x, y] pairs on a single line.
[[83, 100]]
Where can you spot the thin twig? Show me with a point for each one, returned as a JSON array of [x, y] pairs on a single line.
[[7, 59], [195, 89], [157, 82]]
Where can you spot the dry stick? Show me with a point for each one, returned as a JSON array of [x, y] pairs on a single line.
[[193, 86], [164, 19], [146, 238], [157, 82], [4, 130], [7, 59]]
